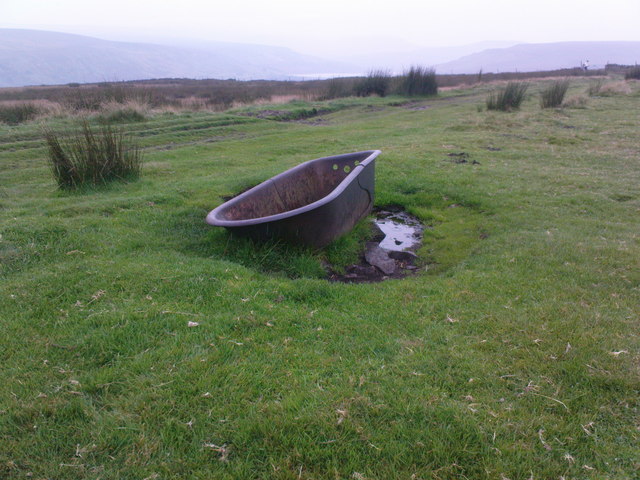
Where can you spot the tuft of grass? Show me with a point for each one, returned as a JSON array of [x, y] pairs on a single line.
[[418, 81], [615, 88], [376, 83], [90, 157], [508, 98], [576, 101], [633, 73], [14, 114], [594, 87], [553, 95], [123, 115]]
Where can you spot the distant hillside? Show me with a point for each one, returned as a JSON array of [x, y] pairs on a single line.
[[32, 57], [531, 57], [399, 60]]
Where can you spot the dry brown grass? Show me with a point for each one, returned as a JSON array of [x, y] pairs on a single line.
[[32, 110], [615, 88], [575, 101], [279, 99], [190, 103], [112, 107], [184, 95]]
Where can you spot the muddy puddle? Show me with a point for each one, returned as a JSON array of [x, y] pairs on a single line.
[[396, 236], [402, 231]]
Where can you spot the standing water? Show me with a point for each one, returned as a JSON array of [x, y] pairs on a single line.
[[391, 253], [402, 231]]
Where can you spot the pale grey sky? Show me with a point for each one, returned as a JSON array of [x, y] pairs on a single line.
[[324, 27]]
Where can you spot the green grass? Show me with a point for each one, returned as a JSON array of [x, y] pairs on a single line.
[[512, 354]]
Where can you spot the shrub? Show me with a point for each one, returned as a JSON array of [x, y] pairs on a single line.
[[507, 98], [553, 95], [377, 82], [14, 114], [88, 157], [633, 73], [418, 81]]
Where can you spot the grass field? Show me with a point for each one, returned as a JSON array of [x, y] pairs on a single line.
[[140, 343]]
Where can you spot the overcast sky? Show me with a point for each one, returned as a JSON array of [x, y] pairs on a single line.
[[325, 26]]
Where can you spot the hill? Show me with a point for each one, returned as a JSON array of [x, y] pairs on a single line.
[[531, 57], [32, 57], [398, 59]]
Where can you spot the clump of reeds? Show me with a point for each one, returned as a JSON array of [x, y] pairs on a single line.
[[16, 113], [377, 82], [508, 98], [338, 88], [553, 95], [124, 115], [633, 73], [129, 112], [418, 81], [92, 157], [595, 86]]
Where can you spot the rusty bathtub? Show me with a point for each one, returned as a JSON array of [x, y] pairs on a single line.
[[312, 203]]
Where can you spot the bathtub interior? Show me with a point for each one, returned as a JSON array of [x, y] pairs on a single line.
[[293, 189]]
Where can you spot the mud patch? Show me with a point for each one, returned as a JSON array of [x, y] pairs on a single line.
[[266, 114], [411, 105], [395, 237], [316, 122], [288, 115], [416, 107], [461, 157], [621, 197]]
